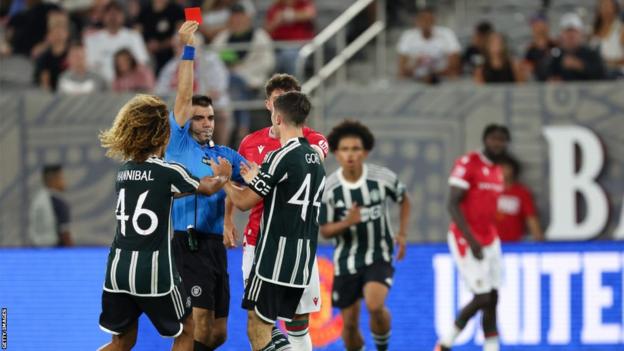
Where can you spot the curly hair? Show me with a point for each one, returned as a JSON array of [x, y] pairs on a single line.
[[140, 129], [351, 128]]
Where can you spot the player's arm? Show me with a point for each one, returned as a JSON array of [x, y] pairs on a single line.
[[535, 228], [453, 206], [404, 218], [183, 183], [184, 95], [242, 197], [319, 144], [332, 229]]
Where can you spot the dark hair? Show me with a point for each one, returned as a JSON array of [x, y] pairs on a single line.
[[281, 81], [598, 17], [114, 5], [492, 128], [484, 27], [49, 171], [426, 9], [201, 100], [124, 51], [293, 106], [350, 128], [512, 162]]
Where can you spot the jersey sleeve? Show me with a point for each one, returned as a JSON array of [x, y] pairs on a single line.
[[319, 143], [177, 136], [460, 174], [394, 187], [528, 206], [326, 215], [272, 172], [181, 180]]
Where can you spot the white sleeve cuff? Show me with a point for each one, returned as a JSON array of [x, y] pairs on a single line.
[[458, 182]]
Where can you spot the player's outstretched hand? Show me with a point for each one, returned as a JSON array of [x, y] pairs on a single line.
[[221, 167], [230, 234], [401, 242], [353, 215], [187, 31], [249, 171]]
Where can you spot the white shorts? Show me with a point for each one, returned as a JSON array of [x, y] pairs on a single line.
[[481, 276], [310, 300]]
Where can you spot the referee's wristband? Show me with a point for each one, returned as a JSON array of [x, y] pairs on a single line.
[[189, 53]]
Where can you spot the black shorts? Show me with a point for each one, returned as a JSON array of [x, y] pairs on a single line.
[[349, 288], [167, 313], [270, 301], [204, 272]]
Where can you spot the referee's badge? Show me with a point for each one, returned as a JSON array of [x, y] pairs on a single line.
[[196, 291], [206, 160]]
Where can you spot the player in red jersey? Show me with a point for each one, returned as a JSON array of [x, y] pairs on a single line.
[[516, 209], [253, 148], [476, 182]]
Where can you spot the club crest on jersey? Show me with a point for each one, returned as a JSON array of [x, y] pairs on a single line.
[[260, 148], [196, 290], [315, 301], [375, 195]]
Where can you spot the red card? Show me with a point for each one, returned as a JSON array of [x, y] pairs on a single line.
[[193, 14]]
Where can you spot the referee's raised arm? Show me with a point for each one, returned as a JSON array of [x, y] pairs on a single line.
[[182, 107]]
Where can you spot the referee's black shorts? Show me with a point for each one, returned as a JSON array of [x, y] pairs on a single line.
[[204, 272]]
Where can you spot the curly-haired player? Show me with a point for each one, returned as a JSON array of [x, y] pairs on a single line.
[[141, 276], [354, 214]]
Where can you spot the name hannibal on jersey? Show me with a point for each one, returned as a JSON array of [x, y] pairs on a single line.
[[139, 261], [291, 181]]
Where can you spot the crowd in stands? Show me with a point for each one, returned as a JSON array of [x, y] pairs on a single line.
[[87, 46], [430, 53]]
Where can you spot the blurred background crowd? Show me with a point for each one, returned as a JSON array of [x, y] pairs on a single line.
[[86, 46]]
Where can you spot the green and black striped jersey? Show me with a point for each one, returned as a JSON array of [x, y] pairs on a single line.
[[370, 240], [291, 181], [140, 261]]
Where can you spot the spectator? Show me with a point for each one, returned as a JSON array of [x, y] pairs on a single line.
[[77, 79], [211, 78], [216, 14], [498, 65], [515, 206], [249, 65], [158, 22], [53, 60], [574, 60], [130, 75], [537, 56], [473, 55], [609, 35], [49, 212], [428, 52], [93, 19], [102, 45], [290, 20], [28, 28]]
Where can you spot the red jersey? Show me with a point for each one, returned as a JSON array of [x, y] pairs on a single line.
[[483, 182], [253, 148], [515, 205], [293, 30]]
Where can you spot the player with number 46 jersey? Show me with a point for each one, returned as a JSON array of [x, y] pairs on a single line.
[[141, 276]]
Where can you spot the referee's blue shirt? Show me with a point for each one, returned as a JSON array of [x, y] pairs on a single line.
[[185, 150]]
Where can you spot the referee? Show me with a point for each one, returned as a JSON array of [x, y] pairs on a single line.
[[198, 220]]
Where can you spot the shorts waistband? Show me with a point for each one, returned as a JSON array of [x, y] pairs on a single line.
[[201, 235]]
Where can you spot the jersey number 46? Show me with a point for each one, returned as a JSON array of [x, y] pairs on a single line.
[[120, 214]]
